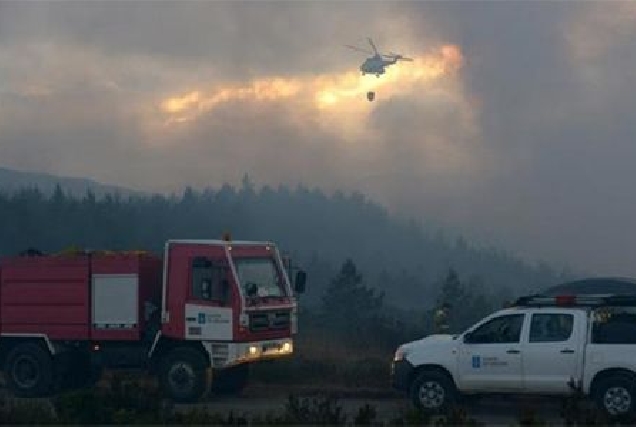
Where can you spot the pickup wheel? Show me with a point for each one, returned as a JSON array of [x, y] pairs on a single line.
[[183, 375], [29, 370], [615, 396], [433, 392]]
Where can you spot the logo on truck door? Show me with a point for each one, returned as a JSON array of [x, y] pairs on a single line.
[[492, 361], [215, 323]]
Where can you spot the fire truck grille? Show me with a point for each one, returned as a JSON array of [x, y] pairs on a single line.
[[271, 320]]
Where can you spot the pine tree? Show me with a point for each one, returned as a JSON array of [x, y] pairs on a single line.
[[349, 305], [452, 289]]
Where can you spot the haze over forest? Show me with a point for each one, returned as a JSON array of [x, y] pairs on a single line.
[[513, 126], [320, 231]]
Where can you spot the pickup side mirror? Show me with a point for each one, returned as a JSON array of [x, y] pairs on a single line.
[[299, 282], [468, 338]]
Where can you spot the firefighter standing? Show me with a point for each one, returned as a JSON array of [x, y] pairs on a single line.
[[441, 319]]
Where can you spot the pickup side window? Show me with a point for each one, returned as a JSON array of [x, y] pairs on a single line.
[[504, 329], [551, 327], [614, 325]]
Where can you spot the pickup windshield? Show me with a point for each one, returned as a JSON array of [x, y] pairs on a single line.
[[259, 277]]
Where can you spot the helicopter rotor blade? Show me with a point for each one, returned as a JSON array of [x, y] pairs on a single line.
[[359, 49], [373, 45], [397, 57]]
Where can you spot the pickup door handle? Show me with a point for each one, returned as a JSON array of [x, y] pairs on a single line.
[[513, 352], [567, 351]]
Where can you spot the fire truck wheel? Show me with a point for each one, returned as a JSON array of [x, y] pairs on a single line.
[[29, 370], [433, 392], [231, 380], [183, 375]]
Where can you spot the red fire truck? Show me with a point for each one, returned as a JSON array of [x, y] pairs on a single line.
[[196, 317]]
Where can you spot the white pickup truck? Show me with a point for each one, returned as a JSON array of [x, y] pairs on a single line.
[[541, 345]]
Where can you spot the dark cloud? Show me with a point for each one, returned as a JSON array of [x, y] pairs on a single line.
[[239, 38], [560, 123]]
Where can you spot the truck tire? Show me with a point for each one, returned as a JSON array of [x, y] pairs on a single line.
[[615, 396], [232, 380], [29, 370], [433, 392], [183, 375]]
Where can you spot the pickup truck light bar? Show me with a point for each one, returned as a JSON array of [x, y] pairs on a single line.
[[583, 300]]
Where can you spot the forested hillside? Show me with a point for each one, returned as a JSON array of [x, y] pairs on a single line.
[[13, 180], [320, 231]]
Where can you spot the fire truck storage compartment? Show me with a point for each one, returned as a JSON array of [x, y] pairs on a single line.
[[80, 297], [45, 296], [122, 285], [115, 304]]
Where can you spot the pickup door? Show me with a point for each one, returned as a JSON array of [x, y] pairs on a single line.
[[490, 358], [553, 350]]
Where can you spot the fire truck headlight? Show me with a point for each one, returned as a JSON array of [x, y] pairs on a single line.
[[287, 347], [253, 350]]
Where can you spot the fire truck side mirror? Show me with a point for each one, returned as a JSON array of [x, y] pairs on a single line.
[[299, 282]]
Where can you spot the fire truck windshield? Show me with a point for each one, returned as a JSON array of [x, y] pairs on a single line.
[[259, 277]]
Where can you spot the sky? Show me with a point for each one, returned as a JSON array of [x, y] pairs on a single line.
[[514, 124]]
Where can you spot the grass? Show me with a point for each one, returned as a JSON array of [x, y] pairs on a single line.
[[321, 360], [129, 403], [365, 373]]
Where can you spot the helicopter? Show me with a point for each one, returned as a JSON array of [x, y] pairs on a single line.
[[377, 63]]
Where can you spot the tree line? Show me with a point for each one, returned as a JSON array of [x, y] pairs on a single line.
[[357, 313], [401, 260]]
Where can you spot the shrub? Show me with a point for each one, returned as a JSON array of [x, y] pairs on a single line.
[[26, 412], [318, 411]]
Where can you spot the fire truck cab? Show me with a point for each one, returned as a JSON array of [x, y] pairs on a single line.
[[196, 317]]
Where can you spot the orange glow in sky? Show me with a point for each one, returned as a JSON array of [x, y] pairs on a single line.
[[338, 91]]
